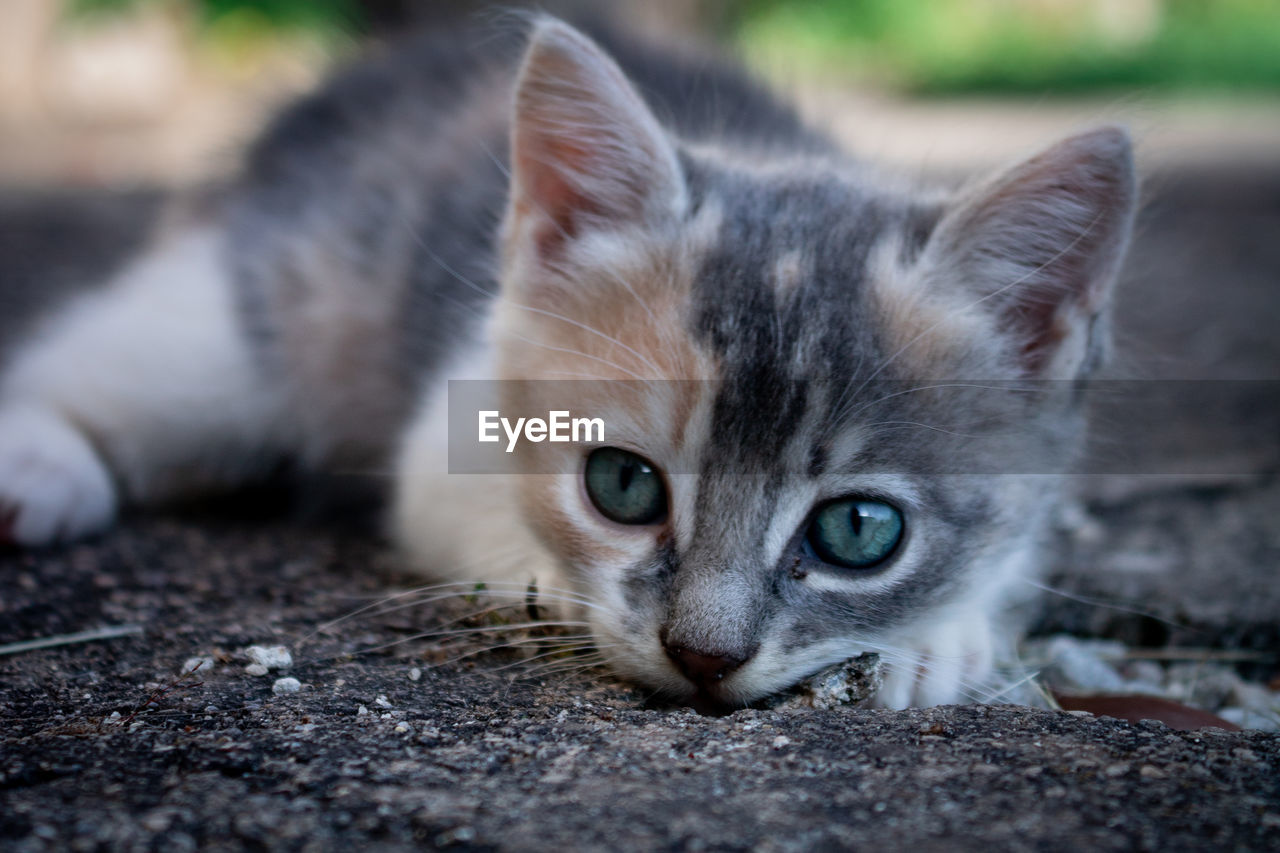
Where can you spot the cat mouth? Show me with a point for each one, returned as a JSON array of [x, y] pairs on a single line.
[[701, 701], [709, 705]]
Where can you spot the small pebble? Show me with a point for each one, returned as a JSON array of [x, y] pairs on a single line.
[[362, 711], [1081, 664], [382, 702], [462, 835], [157, 821], [202, 664], [256, 669], [272, 657], [846, 684], [415, 674], [286, 685]]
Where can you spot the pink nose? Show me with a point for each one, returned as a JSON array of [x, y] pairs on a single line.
[[702, 669]]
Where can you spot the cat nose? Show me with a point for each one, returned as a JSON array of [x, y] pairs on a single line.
[[701, 668]]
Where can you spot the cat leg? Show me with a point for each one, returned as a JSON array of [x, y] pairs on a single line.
[[140, 391], [939, 664]]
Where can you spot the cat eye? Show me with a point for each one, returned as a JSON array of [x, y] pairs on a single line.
[[855, 533], [625, 487]]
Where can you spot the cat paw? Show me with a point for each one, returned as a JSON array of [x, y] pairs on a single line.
[[944, 664], [53, 486]]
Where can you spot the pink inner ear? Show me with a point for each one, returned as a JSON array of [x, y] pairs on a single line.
[[1049, 235], [586, 151], [551, 196], [1044, 326]]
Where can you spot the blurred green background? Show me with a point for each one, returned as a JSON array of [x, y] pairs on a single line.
[[1024, 46], [323, 15], [919, 46]]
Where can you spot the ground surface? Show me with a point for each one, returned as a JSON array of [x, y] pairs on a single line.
[[104, 744]]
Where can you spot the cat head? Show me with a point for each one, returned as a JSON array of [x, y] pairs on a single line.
[[779, 341]]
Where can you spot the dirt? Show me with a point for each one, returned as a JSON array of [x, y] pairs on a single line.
[[106, 745]]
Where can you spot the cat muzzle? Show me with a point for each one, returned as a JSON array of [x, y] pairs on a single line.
[[704, 668]]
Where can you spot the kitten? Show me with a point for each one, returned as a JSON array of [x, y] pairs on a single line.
[[790, 506]]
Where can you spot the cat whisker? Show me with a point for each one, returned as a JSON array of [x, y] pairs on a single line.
[[909, 660], [1109, 605], [416, 603], [467, 586], [565, 644], [552, 669], [921, 426], [645, 360], [374, 605], [842, 414], [1029, 678], [578, 654], [464, 632], [462, 590], [522, 593], [550, 593]]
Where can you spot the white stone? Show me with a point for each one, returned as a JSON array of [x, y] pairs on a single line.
[[202, 665], [272, 657]]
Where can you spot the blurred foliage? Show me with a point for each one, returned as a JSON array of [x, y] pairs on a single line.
[[319, 15], [928, 46], [1020, 46], [237, 36]]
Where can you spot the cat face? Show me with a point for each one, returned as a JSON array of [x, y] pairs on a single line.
[[832, 404]]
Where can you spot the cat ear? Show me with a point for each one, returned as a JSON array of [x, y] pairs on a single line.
[[586, 150], [1040, 246]]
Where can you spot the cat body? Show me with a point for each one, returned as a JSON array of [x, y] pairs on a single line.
[[775, 496]]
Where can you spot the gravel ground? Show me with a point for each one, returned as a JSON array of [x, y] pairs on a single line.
[[106, 744]]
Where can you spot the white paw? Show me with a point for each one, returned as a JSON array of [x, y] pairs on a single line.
[[942, 664], [53, 486]]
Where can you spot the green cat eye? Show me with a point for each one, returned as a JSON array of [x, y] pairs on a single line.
[[624, 487], [855, 533]]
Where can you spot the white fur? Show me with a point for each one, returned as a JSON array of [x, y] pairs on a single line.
[[149, 378], [51, 480], [950, 655], [461, 526], [945, 661]]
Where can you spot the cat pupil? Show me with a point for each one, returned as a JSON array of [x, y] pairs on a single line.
[[625, 475], [855, 519]]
